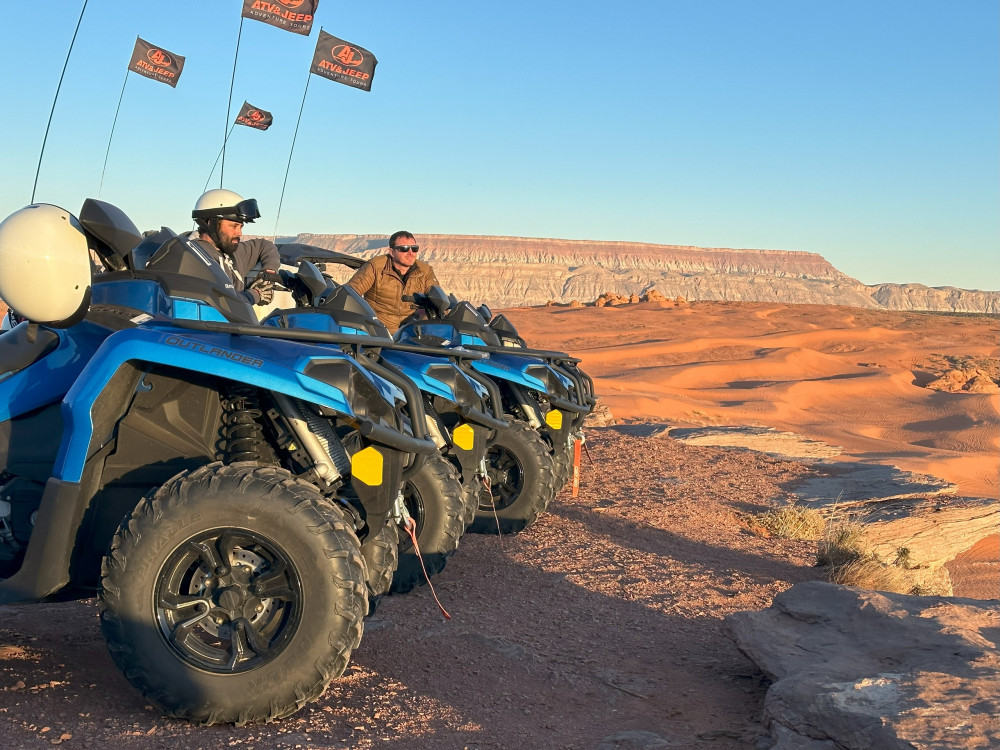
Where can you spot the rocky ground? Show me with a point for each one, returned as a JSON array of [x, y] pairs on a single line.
[[602, 625], [599, 627]]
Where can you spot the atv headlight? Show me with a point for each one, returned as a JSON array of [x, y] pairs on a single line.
[[366, 400], [555, 384], [447, 375]]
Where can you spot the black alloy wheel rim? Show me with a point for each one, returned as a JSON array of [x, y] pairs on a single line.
[[228, 600], [506, 479], [414, 504]]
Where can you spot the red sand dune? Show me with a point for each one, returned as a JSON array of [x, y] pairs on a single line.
[[849, 377]]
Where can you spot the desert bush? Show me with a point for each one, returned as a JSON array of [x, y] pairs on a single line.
[[843, 549], [868, 572], [843, 542], [792, 522]]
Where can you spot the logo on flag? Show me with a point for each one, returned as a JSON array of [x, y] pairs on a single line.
[[254, 118], [343, 62], [290, 15], [156, 63]]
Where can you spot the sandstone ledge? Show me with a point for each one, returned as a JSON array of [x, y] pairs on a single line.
[[862, 669]]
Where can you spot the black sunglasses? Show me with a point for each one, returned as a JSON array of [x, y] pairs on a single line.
[[406, 248]]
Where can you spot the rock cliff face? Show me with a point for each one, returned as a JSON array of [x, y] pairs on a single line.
[[515, 271]]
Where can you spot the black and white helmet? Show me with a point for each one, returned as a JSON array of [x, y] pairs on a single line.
[[225, 204]]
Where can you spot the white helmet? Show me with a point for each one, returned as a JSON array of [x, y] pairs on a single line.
[[225, 204], [45, 270]]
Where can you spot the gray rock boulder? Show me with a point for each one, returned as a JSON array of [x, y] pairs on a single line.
[[855, 669]]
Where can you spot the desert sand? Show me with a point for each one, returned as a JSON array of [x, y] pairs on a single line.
[[866, 382], [852, 378], [601, 625]]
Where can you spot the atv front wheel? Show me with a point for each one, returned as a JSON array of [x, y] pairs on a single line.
[[435, 501], [233, 594], [522, 481]]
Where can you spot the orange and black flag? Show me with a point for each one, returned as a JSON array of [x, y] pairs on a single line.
[[156, 63], [253, 117], [291, 15], [343, 62]]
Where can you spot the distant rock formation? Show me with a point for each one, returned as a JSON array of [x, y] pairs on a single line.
[[864, 669], [971, 380], [516, 271]]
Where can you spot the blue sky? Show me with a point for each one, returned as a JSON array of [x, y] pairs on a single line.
[[863, 131]]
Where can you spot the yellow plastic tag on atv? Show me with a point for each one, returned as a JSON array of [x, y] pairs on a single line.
[[554, 419], [463, 437], [366, 466]]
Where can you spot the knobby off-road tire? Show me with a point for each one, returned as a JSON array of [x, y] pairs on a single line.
[[434, 499], [522, 481], [562, 465], [470, 495], [233, 594], [381, 554]]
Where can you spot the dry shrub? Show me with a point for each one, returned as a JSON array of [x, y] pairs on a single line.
[[792, 522], [842, 548], [843, 542], [869, 572]]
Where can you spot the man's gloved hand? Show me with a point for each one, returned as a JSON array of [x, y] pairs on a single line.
[[262, 287]]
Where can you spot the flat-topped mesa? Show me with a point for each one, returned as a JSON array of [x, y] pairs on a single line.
[[523, 271], [452, 248]]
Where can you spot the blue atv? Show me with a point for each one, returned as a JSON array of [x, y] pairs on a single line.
[[544, 394], [459, 410], [226, 489]]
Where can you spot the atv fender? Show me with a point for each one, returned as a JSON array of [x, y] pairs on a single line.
[[274, 365]]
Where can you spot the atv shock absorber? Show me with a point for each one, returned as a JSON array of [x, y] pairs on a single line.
[[242, 434], [317, 438], [435, 430], [527, 406]]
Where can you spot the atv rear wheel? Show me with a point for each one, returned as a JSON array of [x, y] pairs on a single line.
[[471, 494], [435, 501], [562, 465], [233, 594], [381, 554], [522, 481]]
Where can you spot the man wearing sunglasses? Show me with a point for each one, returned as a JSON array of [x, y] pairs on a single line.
[[385, 280], [220, 216]]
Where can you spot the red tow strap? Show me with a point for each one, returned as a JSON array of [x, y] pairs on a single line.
[[576, 467], [411, 528]]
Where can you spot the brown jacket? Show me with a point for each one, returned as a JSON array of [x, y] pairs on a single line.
[[380, 284]]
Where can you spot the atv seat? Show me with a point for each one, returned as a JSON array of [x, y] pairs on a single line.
[[20, 347]]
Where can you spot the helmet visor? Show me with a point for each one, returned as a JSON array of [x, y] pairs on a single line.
[[245, 211]]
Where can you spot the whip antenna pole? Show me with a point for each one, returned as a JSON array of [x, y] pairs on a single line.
[[55, 99], [290, 150], [114, 122], [229, 107], [217, 158]]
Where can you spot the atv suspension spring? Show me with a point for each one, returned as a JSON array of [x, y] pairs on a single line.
[[242, 434]]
